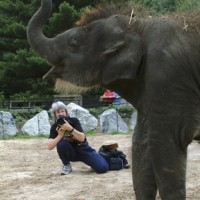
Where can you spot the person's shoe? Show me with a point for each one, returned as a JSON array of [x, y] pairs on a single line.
[[66, 169], [127, 166]]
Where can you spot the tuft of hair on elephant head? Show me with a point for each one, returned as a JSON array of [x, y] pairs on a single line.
[[152, 62]]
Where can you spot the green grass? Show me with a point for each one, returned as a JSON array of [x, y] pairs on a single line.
[[130, 132], [24, 136], [90, 133]]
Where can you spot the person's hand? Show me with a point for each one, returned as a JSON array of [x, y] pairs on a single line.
[[66, 126], [60, 131]]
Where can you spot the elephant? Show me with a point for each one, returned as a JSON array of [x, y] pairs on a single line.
[[152, 63]]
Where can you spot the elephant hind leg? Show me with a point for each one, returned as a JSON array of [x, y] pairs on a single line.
[[170, 176], [169, 165]]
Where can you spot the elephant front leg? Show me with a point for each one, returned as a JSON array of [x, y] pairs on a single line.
[[142, 169], [143, 174]]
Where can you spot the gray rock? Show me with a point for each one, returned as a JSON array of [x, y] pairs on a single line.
[[88, 121], [133, 120], [7, 125], [39, 124], [111, 121]]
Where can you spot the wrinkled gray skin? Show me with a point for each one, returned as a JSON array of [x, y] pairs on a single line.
[[153, 65]]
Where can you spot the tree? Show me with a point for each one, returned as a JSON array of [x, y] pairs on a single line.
[[20, 67], [61, 20], [21, 70], [79, 4], [186, 5], [163, 6], [159, 6]]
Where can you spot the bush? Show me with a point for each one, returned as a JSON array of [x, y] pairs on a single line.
[[21, 115], [125, 111], [185, 5], [99, 110], [24, 114]]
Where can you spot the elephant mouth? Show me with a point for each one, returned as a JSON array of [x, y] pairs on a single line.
[[79, 82], [79, 77], [70, 88]]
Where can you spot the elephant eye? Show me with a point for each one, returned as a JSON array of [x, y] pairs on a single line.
[[73, 46]]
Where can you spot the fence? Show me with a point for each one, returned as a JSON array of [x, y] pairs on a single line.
[[42, 103], [85, 102]]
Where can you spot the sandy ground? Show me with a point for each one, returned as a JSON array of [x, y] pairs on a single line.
[[29, 171]]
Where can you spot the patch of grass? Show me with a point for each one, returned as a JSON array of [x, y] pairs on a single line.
[[90, 133], [130, 132], [24, 136]]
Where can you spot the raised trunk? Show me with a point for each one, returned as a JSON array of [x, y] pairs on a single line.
[[41, 44]]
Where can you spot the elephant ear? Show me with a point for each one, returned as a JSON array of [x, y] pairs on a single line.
[[122, 60]]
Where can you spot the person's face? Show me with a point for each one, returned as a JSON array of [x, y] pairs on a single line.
[[60, 112]]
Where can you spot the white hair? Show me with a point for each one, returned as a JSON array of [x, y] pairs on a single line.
[[56, 106]]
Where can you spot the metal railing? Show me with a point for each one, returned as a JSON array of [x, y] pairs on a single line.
[[85, 102]]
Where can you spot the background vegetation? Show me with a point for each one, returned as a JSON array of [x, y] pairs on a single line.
[[21, 70]]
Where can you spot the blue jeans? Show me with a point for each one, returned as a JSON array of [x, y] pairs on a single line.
[[84, 153]]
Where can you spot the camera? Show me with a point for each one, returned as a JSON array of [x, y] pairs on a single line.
[[61, 120]]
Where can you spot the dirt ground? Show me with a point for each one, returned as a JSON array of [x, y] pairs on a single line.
[[29, 171]]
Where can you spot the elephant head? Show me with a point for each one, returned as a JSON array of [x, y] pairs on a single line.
[[97, 53]]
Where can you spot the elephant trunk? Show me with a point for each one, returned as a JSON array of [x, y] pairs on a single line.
[[41, 44]]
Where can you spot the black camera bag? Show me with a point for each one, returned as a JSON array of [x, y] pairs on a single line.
[[116, 159]]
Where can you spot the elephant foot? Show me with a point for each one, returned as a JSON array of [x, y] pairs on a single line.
[[145, 197], [146, 193]]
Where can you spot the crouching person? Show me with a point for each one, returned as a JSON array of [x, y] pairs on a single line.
[[72, 145]]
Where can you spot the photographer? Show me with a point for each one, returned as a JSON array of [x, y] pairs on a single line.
[[72, 145]]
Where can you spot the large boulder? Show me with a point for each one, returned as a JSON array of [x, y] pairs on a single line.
[[133, 120], [88, 121], [7, 125], [111, 121], [39, 124]]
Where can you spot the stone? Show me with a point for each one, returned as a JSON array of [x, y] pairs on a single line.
[[7, 125], [87, 121], [111, 122], [133, 120], [39, 124]]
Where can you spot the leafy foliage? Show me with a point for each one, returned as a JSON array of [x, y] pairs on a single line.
[[24, 114], [164, 6], [124, 111], [21, 69], [188, 5], [62, 20]]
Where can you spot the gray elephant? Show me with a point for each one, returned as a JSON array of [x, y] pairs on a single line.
[[155, 65]]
